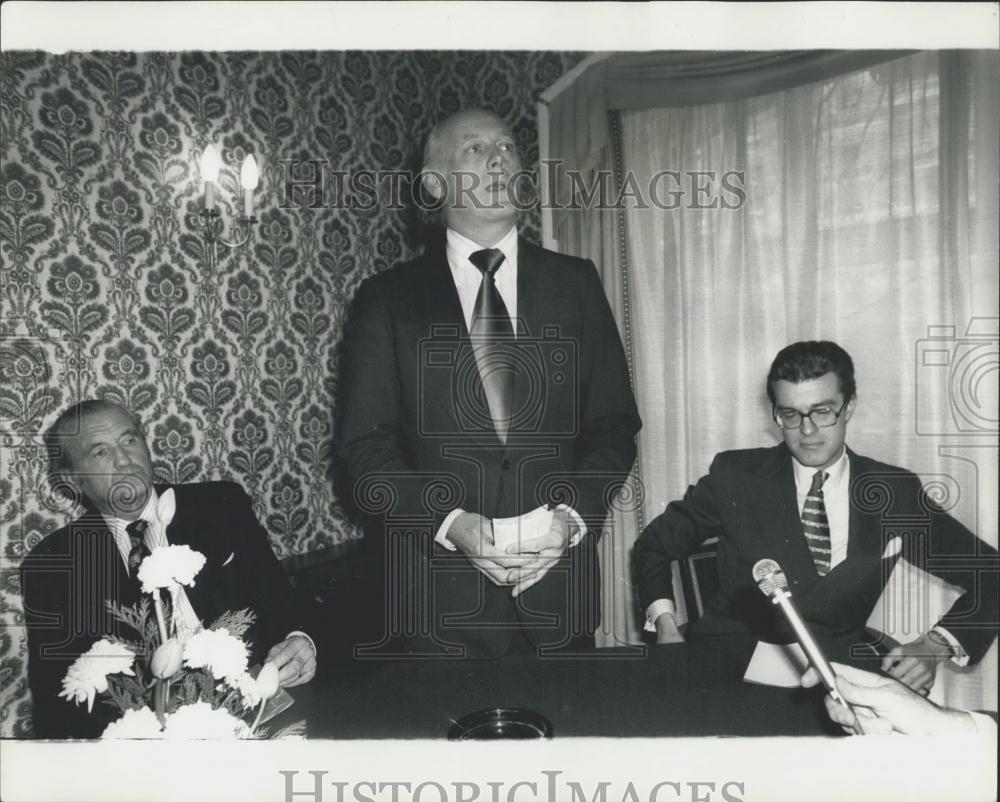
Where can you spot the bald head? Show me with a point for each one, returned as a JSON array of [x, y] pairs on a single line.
[[471, 167], [439, 142], [99, 457]]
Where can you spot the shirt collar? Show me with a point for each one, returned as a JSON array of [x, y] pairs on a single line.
[[462, 247], [147, 513], [834, 473]]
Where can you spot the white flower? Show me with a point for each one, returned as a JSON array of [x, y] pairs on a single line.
[[167, 566], [88, 676], [267, 680], [166, 506], [225, 655], [141, 723], [248, 688], [167, 659], [199, 720]]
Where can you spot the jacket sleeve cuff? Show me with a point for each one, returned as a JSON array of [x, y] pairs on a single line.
[[655, 610], [302, 634], [442, 533], [958, 654], [581, 526]]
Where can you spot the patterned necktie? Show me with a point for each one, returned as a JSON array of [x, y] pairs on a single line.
[[816, 526], [136, 533], [491, 328]]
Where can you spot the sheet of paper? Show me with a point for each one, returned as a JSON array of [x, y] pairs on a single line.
[[912, 601], [278, 703], [773, 664], [507, 531], [281, 701]]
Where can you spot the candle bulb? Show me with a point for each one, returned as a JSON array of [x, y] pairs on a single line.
[[249, 176], [209, 167]]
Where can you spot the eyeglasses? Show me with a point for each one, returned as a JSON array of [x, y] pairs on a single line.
[[821, 417]]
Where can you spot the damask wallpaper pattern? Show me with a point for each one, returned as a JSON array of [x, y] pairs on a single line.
[[107, 288]]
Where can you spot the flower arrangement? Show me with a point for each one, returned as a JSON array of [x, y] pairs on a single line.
[[177, 679]]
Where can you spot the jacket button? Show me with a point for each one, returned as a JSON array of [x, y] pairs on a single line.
[[505, 465]]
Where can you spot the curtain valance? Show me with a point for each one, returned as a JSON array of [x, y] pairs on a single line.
[[574, 111]]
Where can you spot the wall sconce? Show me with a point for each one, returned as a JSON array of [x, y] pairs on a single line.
[[211, 220]]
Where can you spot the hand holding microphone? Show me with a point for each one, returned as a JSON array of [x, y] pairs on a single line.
[[772, 583], [882, 705]]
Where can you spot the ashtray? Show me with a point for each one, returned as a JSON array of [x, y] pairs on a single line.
[[500, 723]]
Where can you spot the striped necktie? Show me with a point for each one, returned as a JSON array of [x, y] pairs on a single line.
[[816, 526], [139, 551], [491, 332]]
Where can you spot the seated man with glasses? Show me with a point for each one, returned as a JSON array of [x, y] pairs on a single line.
[[834, 520]]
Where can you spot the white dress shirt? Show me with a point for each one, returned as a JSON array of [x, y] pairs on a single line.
[[468, 278], [835, 499], [153, 537]]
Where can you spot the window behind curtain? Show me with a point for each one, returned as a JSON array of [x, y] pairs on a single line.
[[871, 219]]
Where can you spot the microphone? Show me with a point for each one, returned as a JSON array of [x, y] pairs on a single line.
[[772, 583]]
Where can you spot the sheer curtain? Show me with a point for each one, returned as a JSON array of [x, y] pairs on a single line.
[[870, 217]]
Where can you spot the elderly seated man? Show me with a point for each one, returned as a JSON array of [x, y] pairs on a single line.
[[99, 456]]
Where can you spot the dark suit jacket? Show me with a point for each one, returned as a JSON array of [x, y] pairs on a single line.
[[748, 501], [417, 440], [67, 577]]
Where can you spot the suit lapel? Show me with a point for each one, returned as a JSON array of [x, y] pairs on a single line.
[[96, 555], [440, 302], [441, 319], [777, 509], [126, 586], [530, 289], [864, 530]]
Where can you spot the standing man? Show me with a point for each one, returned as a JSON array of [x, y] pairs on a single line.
[[485, 380], [100, 457], [834, 520]]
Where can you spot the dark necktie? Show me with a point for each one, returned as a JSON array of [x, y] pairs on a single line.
[[816, 526], [136, 533], [491, 331]]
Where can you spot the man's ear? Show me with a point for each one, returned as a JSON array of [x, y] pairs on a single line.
[[433, 183], [65, 486], [849, 409]]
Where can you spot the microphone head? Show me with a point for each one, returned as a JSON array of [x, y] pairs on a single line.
[[769, 576]]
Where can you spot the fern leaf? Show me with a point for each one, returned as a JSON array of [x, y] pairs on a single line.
[[235, 622], [296, 730], [132, 616]]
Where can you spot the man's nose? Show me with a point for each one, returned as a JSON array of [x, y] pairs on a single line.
[[497, 159], [122, 457], [807, 425]]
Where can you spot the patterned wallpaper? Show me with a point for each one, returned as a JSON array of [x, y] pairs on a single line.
[[107, 288]]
